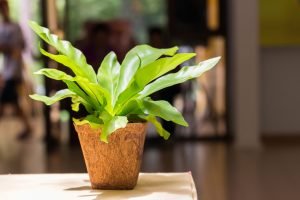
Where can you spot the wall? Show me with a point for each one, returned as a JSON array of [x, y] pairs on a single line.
[[280, 93], [244, 72], [265, 82]]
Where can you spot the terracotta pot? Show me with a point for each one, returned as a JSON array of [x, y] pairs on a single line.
[[115, 165]]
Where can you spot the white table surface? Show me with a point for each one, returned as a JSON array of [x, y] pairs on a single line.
[[154, 186]]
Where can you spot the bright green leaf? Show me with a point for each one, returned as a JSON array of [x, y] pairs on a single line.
[[111, 125], [108, 76], [72, 54], [92, 120], [152, 71], [59, 95], [88, 102], [76, 101], [181, 76], [162, 109], [139, 56], [94, 90], [160, 130], [147, 54], [160, 67], [68, 62], [131, 107], [75, 106], [55, 74], [132, 90]]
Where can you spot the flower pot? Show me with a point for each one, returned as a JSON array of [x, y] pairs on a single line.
[[116, 164]]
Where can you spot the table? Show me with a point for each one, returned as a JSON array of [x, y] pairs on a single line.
[[164, 186]]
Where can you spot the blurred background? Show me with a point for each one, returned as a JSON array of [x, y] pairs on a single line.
[[244, 134]]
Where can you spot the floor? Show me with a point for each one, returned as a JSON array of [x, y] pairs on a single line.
[[221, 172]]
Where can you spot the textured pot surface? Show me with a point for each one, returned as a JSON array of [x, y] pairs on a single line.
[[115, 165]]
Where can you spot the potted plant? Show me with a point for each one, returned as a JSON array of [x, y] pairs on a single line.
[[117, 99]]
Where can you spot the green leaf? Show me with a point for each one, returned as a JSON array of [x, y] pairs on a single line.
[[111, 125], [76, 101], [132, 90], [55, 74], [68, 62], [148, 54], [74, 88], [162, 109], [159, 67], [90, 88], [84, 89], [160, 130], [94, 91], [72, 54], [139, 56], [150, 72], [132, 107], [108, 77], [92, 120], [75, 106], [181, 76], [59, 95], [127, 72], [81, 75]]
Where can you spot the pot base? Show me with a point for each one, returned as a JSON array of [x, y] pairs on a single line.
[[116, 165]]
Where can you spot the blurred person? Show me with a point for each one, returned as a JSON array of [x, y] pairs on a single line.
[[85, 34], [95, 43], [157, 37], [121, 37], [11, 46]]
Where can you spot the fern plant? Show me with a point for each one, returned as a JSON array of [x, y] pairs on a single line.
[[119, 92]]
